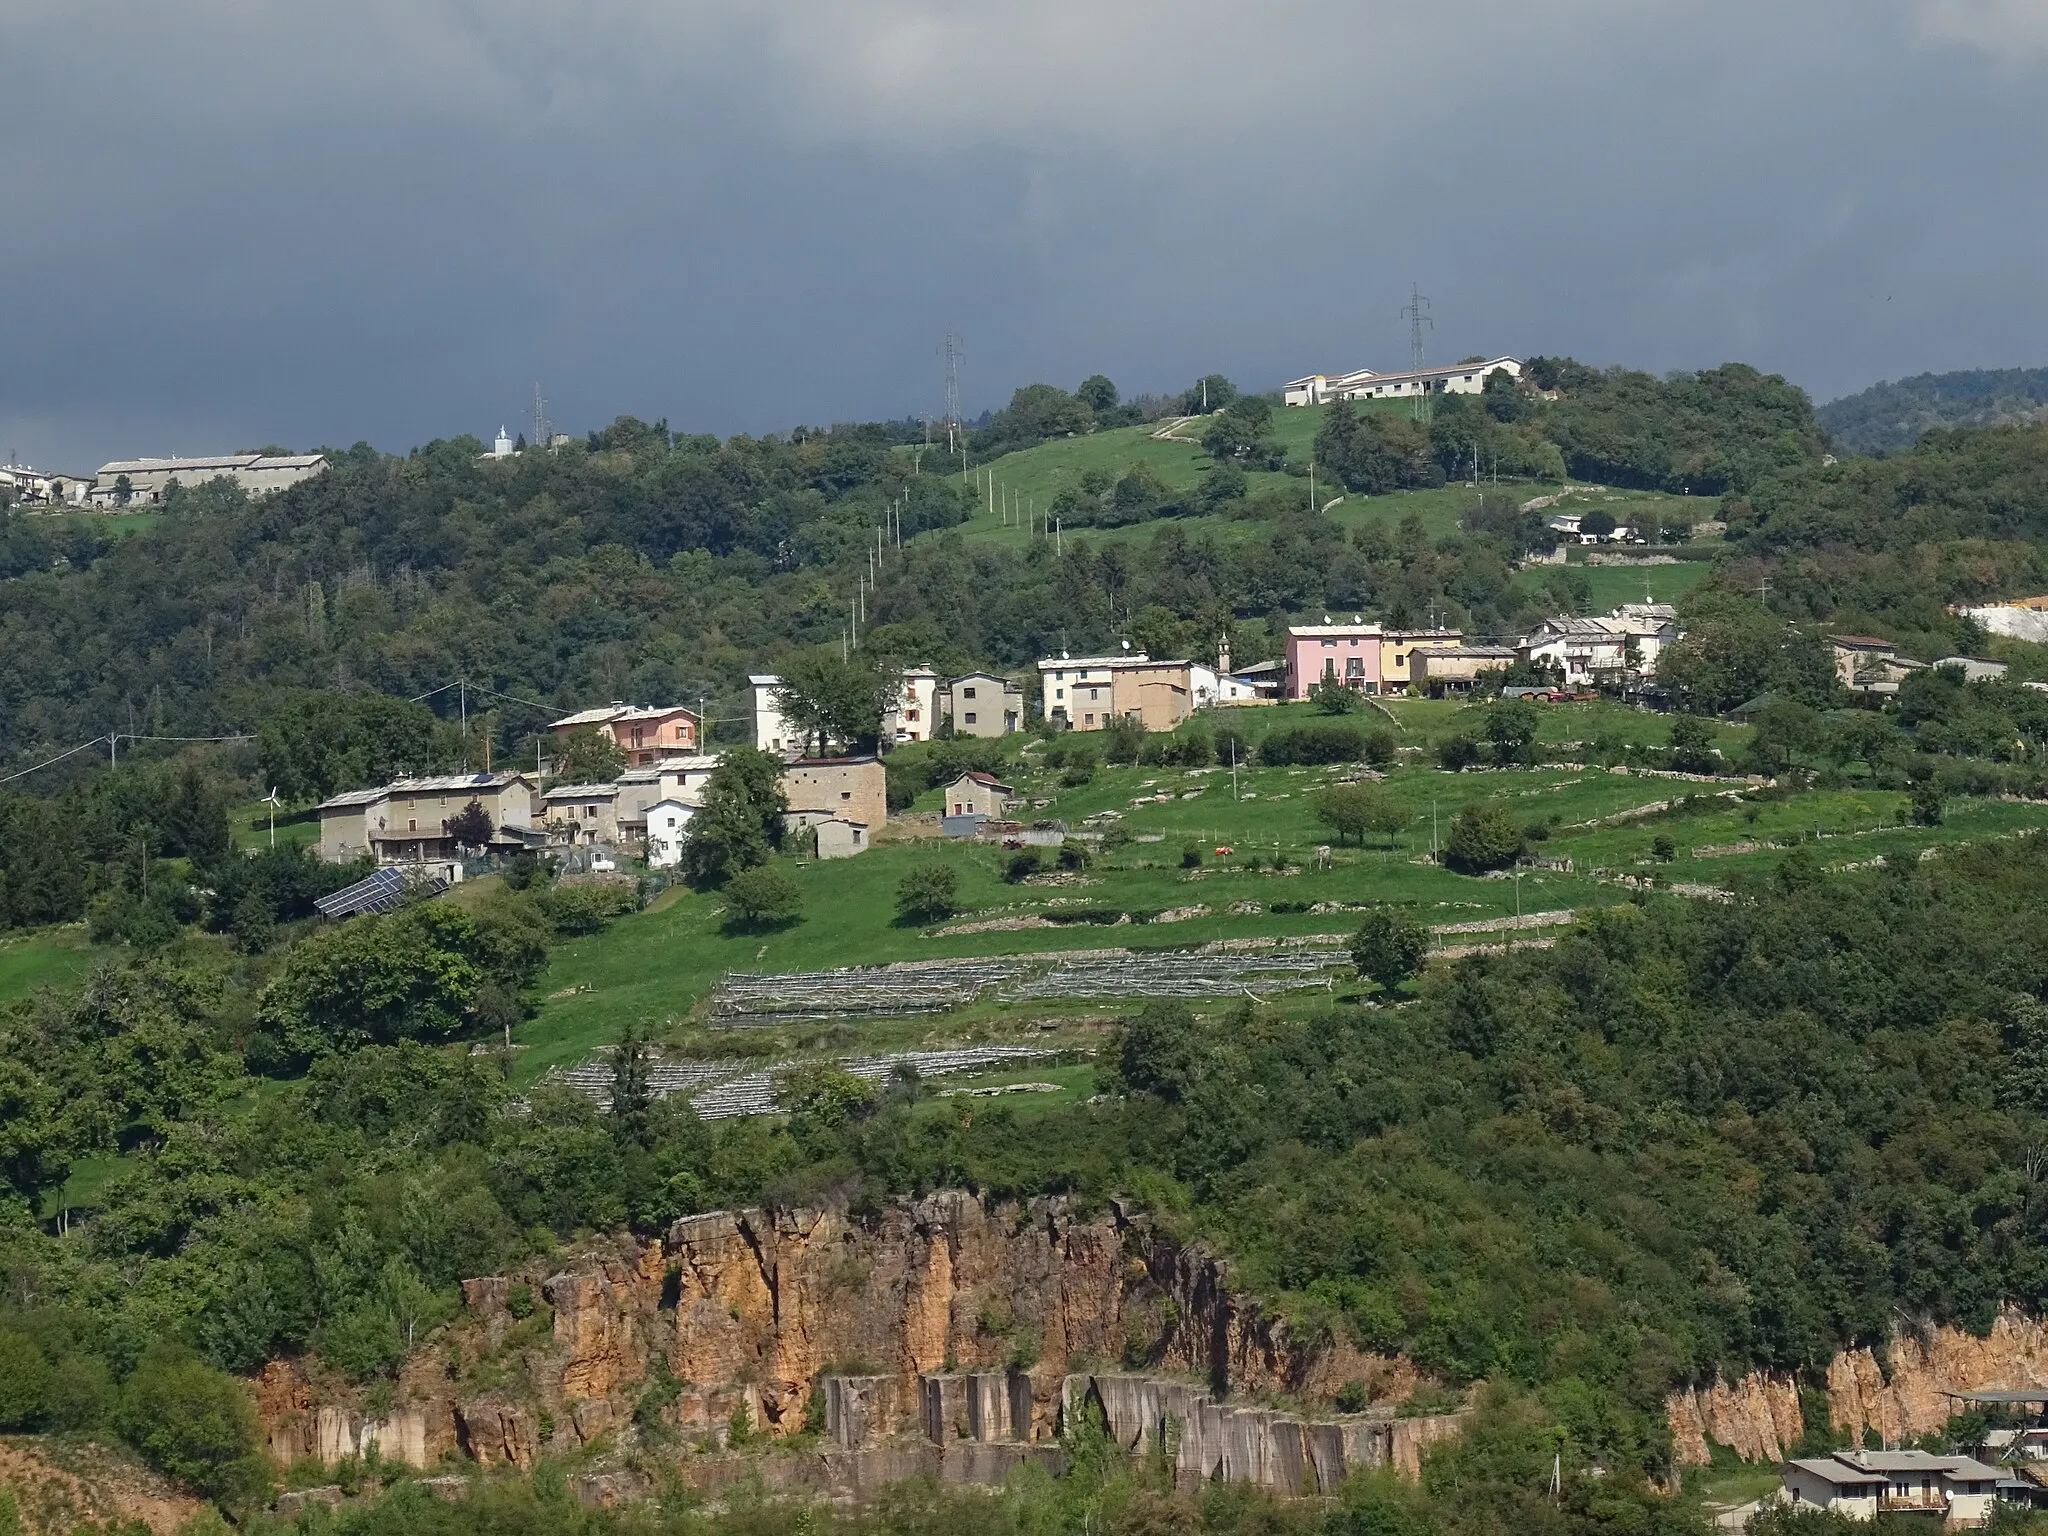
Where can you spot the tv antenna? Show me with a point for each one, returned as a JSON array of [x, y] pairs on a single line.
[[952, 349], [1416, 313]]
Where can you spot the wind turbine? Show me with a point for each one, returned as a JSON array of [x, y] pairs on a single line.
[[273, 802]]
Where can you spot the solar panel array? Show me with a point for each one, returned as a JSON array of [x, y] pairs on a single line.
[[378, 892]]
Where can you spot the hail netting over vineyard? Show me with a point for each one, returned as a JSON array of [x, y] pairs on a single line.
[[933, 986], [878, 991], [719, 1090]]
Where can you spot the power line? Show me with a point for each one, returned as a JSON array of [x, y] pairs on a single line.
[[81, 747], [1416, 313]]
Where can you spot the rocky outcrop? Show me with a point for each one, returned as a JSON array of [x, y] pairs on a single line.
[[1286, 1453], [301, 1424], [1898, 1398], [946, 1331]]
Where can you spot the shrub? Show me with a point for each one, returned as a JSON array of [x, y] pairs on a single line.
[[928, 894], [1024, 863], [585, 908], [1389, 948], [1191, 856], [757, 898], [1313, 744], [1331, 697], [1483, 837], [24, 1382], [1075, 856], [1454, 754], [190, 1421]]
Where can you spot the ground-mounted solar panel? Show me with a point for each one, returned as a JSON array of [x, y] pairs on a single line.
[[382, 891]]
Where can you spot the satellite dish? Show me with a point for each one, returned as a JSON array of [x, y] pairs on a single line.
[[1127, 645]]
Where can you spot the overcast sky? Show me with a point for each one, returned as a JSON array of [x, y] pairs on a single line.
[[237, 222]]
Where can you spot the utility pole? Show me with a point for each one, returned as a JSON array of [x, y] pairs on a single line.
[[952, 348], [1416, 313]]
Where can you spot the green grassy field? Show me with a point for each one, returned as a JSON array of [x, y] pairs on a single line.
[[119, 524], [250, 825], [1613, 585], [1032, 477], [656, 966], [52, 957]]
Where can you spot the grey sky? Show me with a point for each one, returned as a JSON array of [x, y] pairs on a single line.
[[232, 222]]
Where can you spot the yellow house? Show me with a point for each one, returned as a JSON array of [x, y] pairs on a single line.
[[1398, 645]]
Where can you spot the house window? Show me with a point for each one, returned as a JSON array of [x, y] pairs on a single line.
[[1354, 666], [846, 794], [970, 717], [1329, 645], [968, 692], [1090, 719], [1059, 693], [412, 826], [1094, 694], [590, 813]]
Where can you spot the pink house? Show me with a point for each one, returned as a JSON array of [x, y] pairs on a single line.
[[1350, 653]]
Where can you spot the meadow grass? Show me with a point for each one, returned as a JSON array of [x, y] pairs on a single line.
[[48, 957], [250, 825]]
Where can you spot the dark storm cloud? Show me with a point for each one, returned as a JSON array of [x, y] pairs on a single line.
[[254, 221]]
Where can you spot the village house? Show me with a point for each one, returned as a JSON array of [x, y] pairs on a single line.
[[407, 820], [666, 824], [1616, 649], [582, 815], [772, 731], [1454, 670], [916, 714], [978, 794], [1397, 653], [640, 789], [1326, 652], [1456, 379], [982, 704], [34, 488], [645, 733], [1975, 669], [855, 789], [1079, 691], [1861, 1485], [143, 482], [834, 837]]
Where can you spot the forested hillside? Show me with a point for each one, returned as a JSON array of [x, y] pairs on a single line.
[[650, 565], [1890, 417]]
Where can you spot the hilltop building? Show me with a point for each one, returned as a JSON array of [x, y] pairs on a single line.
[[1365, 384], [146, 480]]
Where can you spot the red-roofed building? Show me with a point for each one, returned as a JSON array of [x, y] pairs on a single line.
[[978, 794]]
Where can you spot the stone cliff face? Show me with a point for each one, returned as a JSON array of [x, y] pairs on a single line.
[[1900, 1398], [947, 1322]]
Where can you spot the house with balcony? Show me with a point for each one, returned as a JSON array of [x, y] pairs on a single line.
[[407, 820], [645, 733], [1861, 1485]]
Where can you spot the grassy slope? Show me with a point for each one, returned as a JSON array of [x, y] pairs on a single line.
[[656, 966], [250, 825], [50, 957], [1038, 474]]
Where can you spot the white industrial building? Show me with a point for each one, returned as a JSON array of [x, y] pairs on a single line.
[[1365, 384]]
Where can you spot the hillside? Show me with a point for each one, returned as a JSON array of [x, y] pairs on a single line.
[[1891, 416]]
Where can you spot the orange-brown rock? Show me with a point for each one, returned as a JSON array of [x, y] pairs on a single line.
[[600, 1304], [1899, 1398]]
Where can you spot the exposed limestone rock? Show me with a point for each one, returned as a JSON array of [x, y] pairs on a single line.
[[1759, 1415], [899, 1330], [598, 1304], [1279, 1451]]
